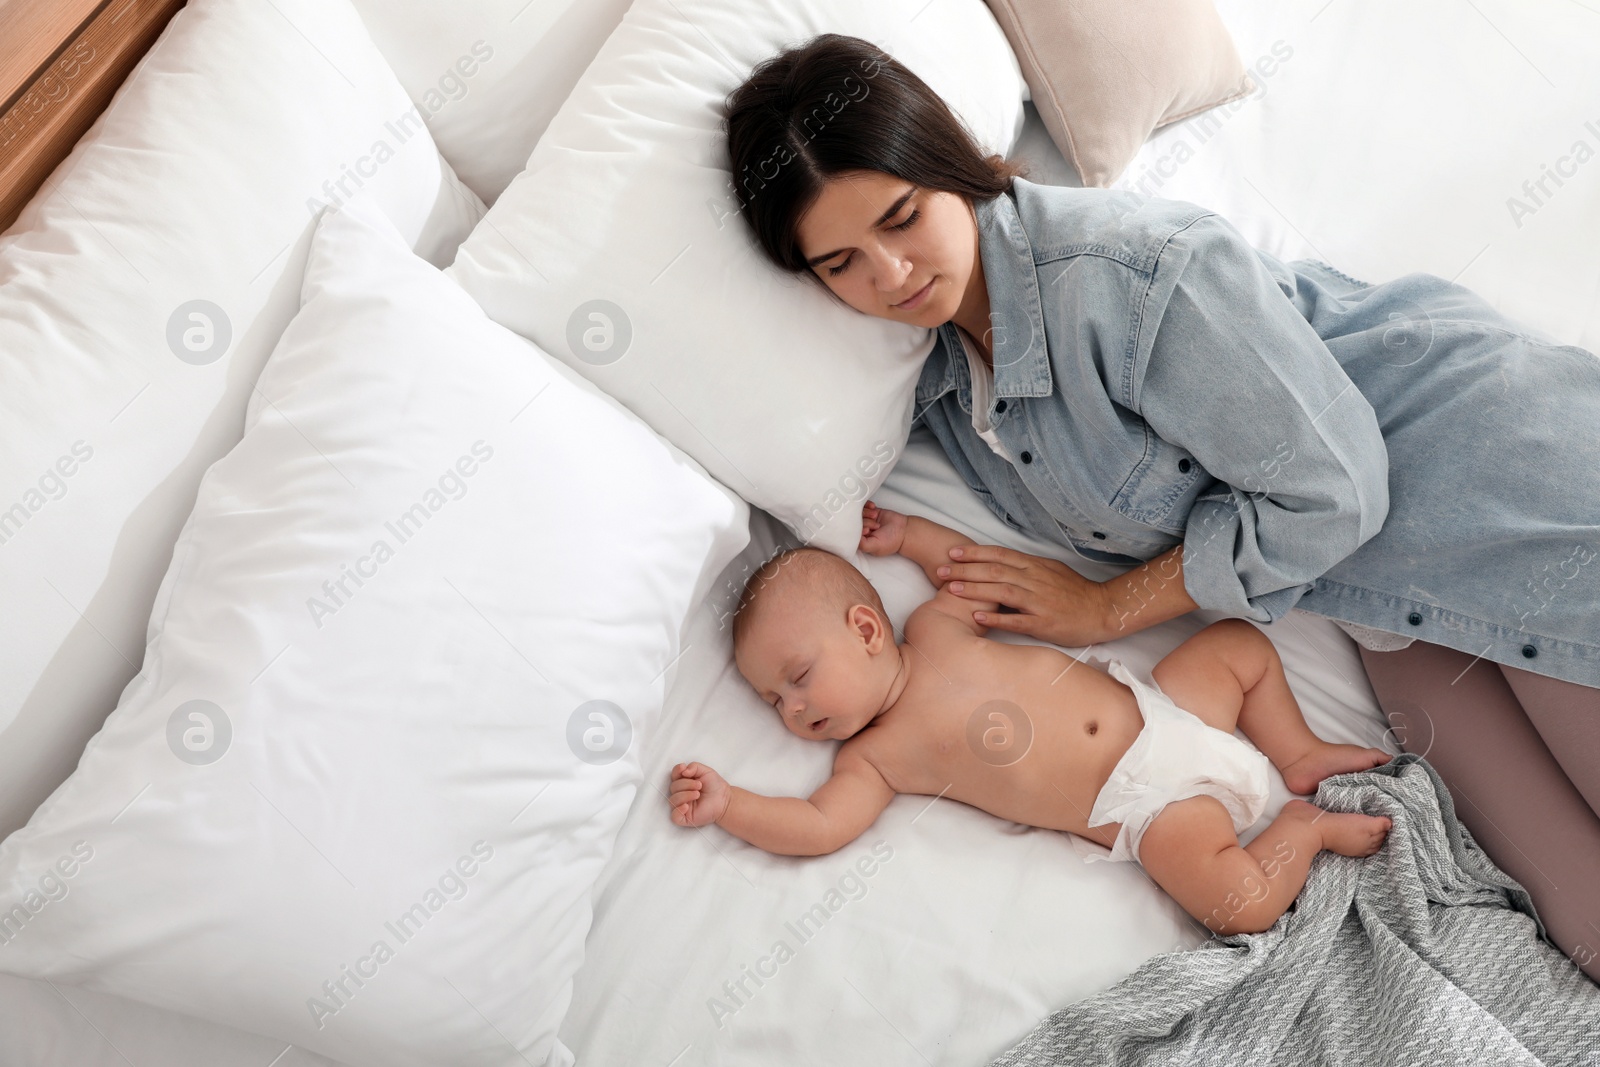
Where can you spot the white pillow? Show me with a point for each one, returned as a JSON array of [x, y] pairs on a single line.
[[189, 197], [487, 75], [411, 642], [620, 250]]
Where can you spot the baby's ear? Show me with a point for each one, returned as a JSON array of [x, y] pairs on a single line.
[[868, 624]]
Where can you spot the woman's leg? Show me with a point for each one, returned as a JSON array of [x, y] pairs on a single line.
[[1509, 791], [1567, 716]]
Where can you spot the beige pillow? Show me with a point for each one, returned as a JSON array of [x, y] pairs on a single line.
[[1105, 73]]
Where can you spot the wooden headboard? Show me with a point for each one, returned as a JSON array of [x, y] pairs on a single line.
[[60, 63]]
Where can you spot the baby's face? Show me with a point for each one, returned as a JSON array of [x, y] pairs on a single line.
[[827, 676]]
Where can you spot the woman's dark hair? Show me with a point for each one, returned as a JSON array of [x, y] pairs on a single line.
[[831, 106]]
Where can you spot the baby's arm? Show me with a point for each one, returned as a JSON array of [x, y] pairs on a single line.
[[836, 814], [922, 541], [928, 545]]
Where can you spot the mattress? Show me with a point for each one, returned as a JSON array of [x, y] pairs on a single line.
[[1381, 138]]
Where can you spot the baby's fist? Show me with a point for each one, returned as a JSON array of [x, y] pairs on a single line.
[[699, 795], [882, 531]]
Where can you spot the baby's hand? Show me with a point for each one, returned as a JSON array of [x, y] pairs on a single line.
[[699, 795], [882, 531]]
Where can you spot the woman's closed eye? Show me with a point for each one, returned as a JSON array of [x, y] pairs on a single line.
[[845, 262]]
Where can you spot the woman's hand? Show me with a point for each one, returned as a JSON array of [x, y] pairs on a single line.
[[1057, 604], [1053, 602]]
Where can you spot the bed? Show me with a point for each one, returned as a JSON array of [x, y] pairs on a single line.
[[1379, 139]]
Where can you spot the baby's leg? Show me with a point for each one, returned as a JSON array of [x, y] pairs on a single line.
[[1192, 852], [1228, 675]]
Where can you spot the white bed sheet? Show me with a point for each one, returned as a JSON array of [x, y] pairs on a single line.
[[1390, 140]]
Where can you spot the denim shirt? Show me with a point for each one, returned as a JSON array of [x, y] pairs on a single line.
[[1398, 456]]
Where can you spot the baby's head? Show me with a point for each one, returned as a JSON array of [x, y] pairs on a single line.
[[811, 636]]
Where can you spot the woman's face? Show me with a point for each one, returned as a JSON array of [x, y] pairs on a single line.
[[880, 242]]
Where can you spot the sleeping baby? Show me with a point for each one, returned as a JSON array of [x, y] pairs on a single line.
[[1027, 733]]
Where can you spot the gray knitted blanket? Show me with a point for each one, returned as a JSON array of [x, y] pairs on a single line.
[[1425, 953]]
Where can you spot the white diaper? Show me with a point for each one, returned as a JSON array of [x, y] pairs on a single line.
[[1175, 756]]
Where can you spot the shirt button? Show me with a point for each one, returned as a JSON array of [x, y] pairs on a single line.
[[1183, 465], [1100, 535], [1414, 619], [999, 406], [1529, 651], [1027, 457]]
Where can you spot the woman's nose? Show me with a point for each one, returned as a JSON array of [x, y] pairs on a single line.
[[892, 271]]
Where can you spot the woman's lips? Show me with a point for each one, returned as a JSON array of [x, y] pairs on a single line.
[[916, 299]]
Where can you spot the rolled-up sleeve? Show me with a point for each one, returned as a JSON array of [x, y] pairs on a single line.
[[1235, 375]]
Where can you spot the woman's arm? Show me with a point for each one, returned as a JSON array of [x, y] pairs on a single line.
[[1238, 377], [1151, 593]]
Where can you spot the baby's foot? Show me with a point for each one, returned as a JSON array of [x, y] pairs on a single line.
[[1306, 773], [1351, 833]]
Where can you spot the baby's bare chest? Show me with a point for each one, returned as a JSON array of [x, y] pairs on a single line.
[[1022, 731]]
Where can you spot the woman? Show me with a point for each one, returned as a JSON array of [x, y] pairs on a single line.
[[1130, 379]]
